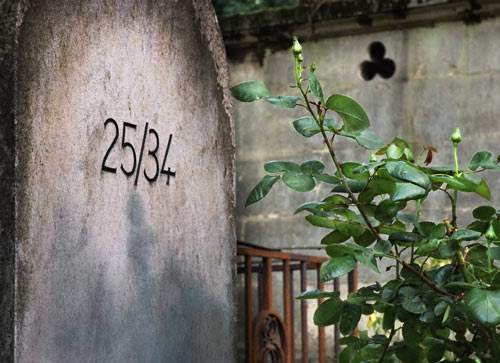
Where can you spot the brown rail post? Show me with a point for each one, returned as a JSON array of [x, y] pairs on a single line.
[[303, 313], [292, 320], [287, 307], [321, 329], [336, 287], [267, 277], [248, 309]]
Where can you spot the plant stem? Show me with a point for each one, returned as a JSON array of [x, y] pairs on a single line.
[[489, 255], [387, 345], [356, 202], [461, 266], [454, 208]]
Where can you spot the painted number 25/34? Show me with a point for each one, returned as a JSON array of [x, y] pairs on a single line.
[[151, 175]]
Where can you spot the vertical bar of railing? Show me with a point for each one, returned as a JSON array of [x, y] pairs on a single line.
[[336, 287], [261, 286], [292, 319], [352, 286], [286, 307], [248, 308], [267, 277], [321, 329], [303, 306]]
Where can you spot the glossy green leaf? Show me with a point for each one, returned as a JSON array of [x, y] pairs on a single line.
[[349, 318], [368, 139], [365, 239], [465, 235], [394, 152], [484, 212], [435, 353], [319, 221], [334, 238], [453, 182], [389, 317], [315, 87], [280, 166], [483, 190], [298, 181], [327, 178], [350, 228], [414, 304], [337, 267], [407, 191], [390, 290], [317, 294], [355, 185], [312, 167], [405, 237], [250, 91], [483, 159], [307, 126], [386, 210], [348, 170], [404, 171], [328, 312], [367, 260], [383, 246], [284, 101], [366, 167], [312, 207], [484, 305], [352, 114], [261, 189]]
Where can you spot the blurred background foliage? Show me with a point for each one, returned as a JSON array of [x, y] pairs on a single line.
[[231, 7]]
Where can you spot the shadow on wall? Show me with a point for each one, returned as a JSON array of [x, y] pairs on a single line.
[[156, 317]]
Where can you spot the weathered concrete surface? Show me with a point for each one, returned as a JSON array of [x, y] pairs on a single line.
[[107, 271]]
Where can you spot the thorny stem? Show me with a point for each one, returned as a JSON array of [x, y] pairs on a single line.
[[358, 205]]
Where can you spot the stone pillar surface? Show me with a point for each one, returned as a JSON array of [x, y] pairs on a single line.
[[105, 255]]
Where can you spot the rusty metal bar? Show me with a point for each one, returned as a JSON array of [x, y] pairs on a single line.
[[292, 320], [279, 255], [278, 268], [267, 277], [260, 289], [352, 280], [286, 306], [248, 309], [321, 329], [303, 306], [336, 287]]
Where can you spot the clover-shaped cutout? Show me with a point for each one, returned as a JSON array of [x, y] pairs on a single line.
[[378, 64]]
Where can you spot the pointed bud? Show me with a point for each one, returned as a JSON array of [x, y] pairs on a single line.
[[490, 233], [456, 136], [373, 158], [313, 66], [296, 47]]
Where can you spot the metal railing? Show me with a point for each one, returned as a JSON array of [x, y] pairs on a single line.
[[269, 335]]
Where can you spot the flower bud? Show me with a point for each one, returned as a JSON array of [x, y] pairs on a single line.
[[456, 136], [490, 233], [296, 47], [373, 158], [313, 66]]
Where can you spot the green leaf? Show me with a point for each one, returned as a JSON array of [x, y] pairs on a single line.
[[414, 304], [327, 178], [307, 126], [352, 114], [483, 159], [435, 353], [349, 318], [348, 170], [368, 139], [457, 183], [367, 259], [312, 207], [383, 246], [284, 101], [483, 190], [337, 267], [405, 237], [394, 152], [350, 228], [334, 238], [365, 239], [465, 235], [386, 210], [317, 294], [261, 189], [319, 221], [355, 185], [404, 171], [407, 191], [389, 317], [298, 181], [250, 91], [365, 167], [484, 212], [328, 312], [315, 87], [312, 167], [484, 305], [390, 290], [280, 166]]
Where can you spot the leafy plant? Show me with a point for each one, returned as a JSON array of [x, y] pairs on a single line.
[[444, 311]]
